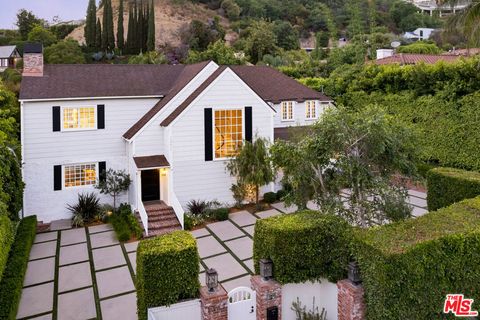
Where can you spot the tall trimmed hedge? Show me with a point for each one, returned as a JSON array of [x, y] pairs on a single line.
[[408, 267], [14, 274], [447, 186], [304, 246], [6, 239], [167, 271]]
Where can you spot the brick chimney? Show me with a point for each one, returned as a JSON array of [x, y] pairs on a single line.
[[33, 60]]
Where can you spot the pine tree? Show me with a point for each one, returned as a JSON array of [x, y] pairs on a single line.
[[98, 35], [129, 45], [90, 24], [120, 31], [151, 29]]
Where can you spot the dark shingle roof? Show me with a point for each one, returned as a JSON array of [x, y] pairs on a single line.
[[151, 162], [100, 80], [273, 86]]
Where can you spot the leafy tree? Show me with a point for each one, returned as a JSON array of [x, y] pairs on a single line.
[[26, 21], [232, 10], [64, 52], [199, 35], [151, 57], [90, 24], [120, 31], [361, 150], [355, 23], [252, 165], [42, 35], [98, 35], [218, 52], [151, 28], [260, 40], [287, 37], [420, 47], [114, 183]]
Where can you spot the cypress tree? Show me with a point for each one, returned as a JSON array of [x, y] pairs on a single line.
[[98, 35], [105, 26], [151, 28], [130, 30], [135, 42], [120, 31], [108, 38], [140, 27], [90, 24]]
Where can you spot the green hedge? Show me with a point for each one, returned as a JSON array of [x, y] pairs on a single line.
[[408, 267], [304, 246], [6, 239], [167, 271], [12, 281], [447, 186], [125, 224]]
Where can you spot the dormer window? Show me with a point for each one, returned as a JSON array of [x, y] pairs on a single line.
[[287, 111], [82, 118], [310, 110]]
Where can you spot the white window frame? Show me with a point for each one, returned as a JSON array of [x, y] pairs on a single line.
[[78, 107], [288, 104], [79, 164], [213, 130], [309, 110]]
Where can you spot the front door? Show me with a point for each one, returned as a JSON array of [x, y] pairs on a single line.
[[150, 185]]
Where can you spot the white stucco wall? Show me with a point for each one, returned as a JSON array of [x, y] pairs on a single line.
[[325, 293], [43, 149]]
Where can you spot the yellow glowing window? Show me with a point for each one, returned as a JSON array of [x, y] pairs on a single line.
[[80, 174], [228, 132], [310, 109], [78, 118], [287, 110]]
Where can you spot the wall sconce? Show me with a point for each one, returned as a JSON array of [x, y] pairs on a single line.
[[211, 279], [266, 269], [354, 273]]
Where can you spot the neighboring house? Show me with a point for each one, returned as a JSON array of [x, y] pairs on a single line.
[[447, 8], [9, 57], [419, 34], [411, 59], [171, 127]]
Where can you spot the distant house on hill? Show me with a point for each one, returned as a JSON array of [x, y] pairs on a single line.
[[9, 57], [419, 34]]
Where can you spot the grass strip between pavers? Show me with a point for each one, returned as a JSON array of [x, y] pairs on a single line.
[[93, 274]]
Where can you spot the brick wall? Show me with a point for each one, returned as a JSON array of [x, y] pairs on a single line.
[[33, 65], [269, 294], [351, 305], [214, 304]]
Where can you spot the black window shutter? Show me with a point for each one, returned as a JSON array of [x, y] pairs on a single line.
[[208, 120], [102, 170], [248, 124], [57, 178], [56, 118], [101, 116]]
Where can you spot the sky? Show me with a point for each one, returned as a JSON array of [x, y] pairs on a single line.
[[45, 9]]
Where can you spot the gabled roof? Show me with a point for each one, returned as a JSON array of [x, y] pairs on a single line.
[[273, 86], [7, 51], [188, 73], [102, 80], [408, 58]]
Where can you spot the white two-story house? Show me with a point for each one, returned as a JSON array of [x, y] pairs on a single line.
[[171, 127]]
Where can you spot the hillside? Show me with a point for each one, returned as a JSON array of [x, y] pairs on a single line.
[[171, 17]]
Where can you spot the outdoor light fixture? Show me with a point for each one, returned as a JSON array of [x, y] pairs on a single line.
[[211, 279], [354, 272], [266, 269]]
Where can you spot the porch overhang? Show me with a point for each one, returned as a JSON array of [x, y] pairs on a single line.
[[151, 162]]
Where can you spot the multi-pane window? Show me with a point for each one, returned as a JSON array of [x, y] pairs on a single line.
[[79, 118], [80, 174], [287, 110], [228, 132], [310, 109]]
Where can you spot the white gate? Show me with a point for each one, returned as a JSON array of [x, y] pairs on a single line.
[[242, 304]]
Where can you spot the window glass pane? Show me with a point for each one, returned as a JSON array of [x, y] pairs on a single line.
[[80, 175], [228, 132], [75, 118], [70, 118]]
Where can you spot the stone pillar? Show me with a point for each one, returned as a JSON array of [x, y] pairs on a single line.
[[214, 305], [269, 294], [351, 304]]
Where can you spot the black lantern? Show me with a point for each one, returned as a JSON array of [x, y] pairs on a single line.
[[354, 272], [211, 280], [266, 269]]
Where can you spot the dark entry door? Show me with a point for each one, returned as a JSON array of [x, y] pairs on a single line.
[[150, 185]]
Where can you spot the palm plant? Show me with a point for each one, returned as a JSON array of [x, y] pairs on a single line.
[[85, 210], [468, 21]]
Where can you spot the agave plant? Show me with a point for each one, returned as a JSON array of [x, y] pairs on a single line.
[[197, 207], [85, 210]]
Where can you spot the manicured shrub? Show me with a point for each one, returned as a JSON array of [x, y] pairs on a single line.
[[187, 222], [304, 246], [167, 271], [408, 267], [6, 239], [121, 227], [270, 197], [14, 273], [446, 186], [125, 224], [280, 194], [220, 214]]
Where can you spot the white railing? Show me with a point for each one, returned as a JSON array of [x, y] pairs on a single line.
[[143, 216], [184, 310], [177, 207], [432, 5]]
